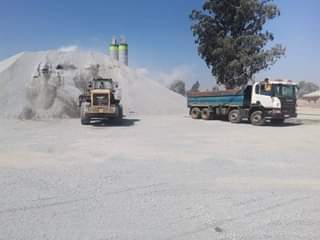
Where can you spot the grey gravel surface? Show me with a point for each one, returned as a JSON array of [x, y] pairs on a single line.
[[167, 177]]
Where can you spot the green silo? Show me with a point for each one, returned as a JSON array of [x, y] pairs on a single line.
[[123, 51], [114, 49]]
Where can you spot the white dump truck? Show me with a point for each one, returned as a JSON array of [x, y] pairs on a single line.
[[268, 100]]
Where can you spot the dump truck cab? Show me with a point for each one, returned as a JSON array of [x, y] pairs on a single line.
[[100, 101], [277, 99]]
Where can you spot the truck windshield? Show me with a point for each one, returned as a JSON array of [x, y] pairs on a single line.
[[287, 91]]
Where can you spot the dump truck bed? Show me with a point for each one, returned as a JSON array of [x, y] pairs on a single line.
[[221, 98]]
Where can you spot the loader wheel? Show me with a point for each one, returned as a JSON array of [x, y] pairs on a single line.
[[195, 113], [205, 114], [234, 116], [85, 120], [257, 118], [120, 112]]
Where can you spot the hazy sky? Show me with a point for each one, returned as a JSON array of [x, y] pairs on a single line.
[[158, 33]]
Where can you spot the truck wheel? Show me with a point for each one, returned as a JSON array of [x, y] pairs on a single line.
[[234, 116], [195, 113], [205, 114], [257, 118]]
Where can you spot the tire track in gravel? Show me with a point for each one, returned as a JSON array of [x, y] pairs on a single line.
[[194, 216], [218, 224], [72, 201]]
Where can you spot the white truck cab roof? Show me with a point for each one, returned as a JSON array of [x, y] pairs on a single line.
[[281, 81]]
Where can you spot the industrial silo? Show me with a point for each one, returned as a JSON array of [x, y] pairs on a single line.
[[123, 51], [114, 49]]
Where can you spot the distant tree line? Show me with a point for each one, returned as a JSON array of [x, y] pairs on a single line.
[[179, 87], [306, 87]]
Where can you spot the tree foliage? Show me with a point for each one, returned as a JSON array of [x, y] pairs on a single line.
[[231, 38], [195, 87], [178, 86], [306, 87]]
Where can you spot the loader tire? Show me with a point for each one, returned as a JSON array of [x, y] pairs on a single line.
[[85, 120], [120, 112]]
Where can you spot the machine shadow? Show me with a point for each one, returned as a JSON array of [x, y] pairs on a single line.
[[279, 125], [126, 122], [270, 124], [285, 124]]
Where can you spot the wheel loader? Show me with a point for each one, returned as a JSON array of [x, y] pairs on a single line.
[[100, 101]]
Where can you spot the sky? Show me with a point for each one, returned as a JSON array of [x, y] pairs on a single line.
[[158, 33]]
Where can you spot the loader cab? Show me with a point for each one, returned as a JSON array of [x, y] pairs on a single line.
[[102, 83]]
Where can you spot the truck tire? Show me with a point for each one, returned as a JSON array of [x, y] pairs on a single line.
[[195, 113], [257, 118], [205, 114], [234, 116]]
